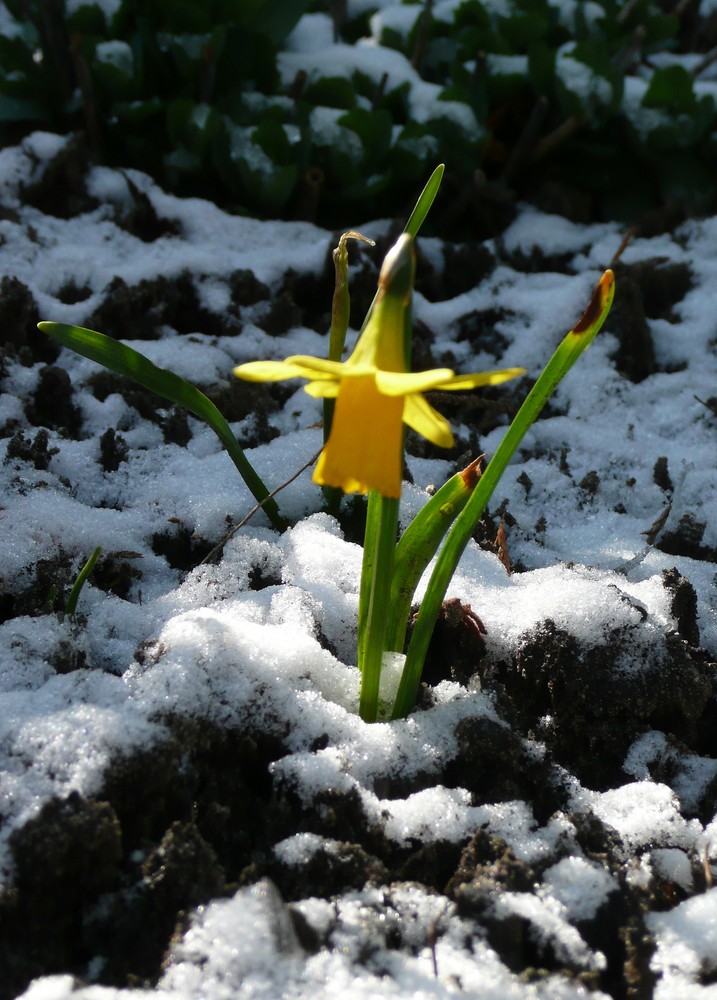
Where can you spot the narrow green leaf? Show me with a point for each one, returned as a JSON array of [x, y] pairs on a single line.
[[425, 200], [72, 600], [419, 543], [124, 360], [378, 554], [567, 353]]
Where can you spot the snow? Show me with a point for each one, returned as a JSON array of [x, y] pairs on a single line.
[[399, 19], [108, 7], [579, 79], [580, 886], [644, 814], [229, 654], [319, 60], [686, 947], [222, 643]]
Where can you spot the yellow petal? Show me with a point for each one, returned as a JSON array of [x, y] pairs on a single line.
[[420, 415], [481, 378], [316, 367], [365, 447], [269, 371], [404, 383], [323, 390]]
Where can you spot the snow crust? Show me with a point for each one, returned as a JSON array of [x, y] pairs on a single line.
[[227, 653]]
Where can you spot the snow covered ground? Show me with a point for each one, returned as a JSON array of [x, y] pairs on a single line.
[[615, 485]]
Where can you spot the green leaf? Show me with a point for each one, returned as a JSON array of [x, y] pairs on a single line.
[[685, 179], [330, 92], [275, 20], [86, 18], [79, 583], [134, 113], [270, 135], [374, 128], [520, 29], [124, 360], [541, 66], [567, 353], [596, 56], [425, 200], [588, 83], [114, 71], [671, 88], [16, 109], [418, 545]]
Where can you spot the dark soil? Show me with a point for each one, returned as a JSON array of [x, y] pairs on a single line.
[[199, 815]]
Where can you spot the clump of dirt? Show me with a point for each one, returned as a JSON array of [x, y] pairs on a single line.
[[246, 289], [479, 329], [685, 539], [335, 866], [175, 427], [237, 400], [60, 187], [649, 289], [279, 315], [683, 606], [181, 547], [36, 450], [43, 593], [138, 312], [114, 573], [465, 265], [65, 859], [52, 402], [19, 316], [113, 450], [132, 929], [71, 293], [588, 703], [140, 217]]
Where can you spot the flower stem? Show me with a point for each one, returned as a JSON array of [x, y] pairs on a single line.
[[340, 314], [374, 602]]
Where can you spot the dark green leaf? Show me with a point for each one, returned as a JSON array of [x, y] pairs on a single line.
[[16, 109], [374, 128], [671, 88], [332, 92]]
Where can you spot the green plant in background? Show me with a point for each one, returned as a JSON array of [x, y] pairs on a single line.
[[167, 87], [376, 394], [200, 95]]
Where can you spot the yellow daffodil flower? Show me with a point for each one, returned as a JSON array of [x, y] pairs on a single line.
[[374, 393]]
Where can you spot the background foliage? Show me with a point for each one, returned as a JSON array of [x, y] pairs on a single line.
[[598, 109]]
